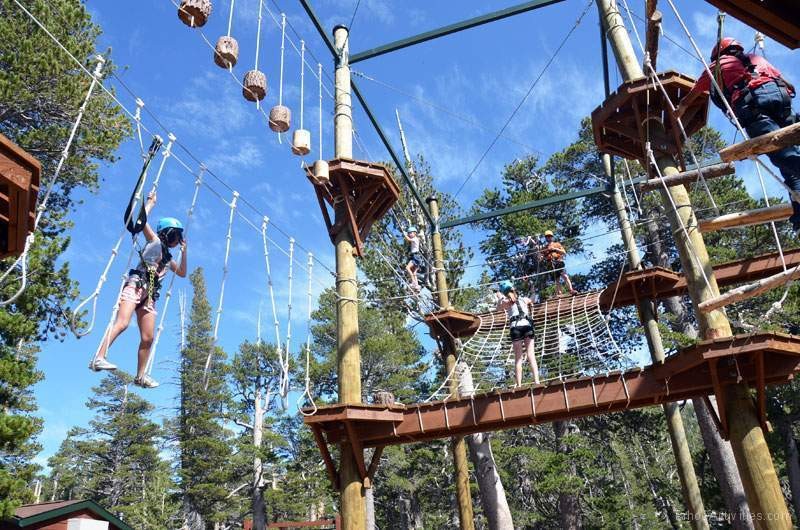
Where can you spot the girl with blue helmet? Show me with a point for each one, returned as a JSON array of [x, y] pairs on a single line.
[[141, 291], [415, 260], [518, 313]]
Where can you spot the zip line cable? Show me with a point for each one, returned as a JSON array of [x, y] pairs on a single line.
[[525, 98]]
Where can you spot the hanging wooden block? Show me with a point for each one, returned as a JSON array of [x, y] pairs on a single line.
[[301, 142], [280, 118], [321, 174], [255, 85], [194, 13], [226, 53]]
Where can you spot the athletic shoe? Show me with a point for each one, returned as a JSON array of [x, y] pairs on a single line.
[[145, 382], [101, 364]]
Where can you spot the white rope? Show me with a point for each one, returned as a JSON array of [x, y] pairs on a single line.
[[306, 395], [319, 76], [22, 260], [168, 295], [285, 367], [230, 18], [258, 44], [138, 119], [228, 238], [302, 77], [271, 289], [283, 39]]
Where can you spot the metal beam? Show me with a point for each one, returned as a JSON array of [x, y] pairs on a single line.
[[526, 206], [451, 28], [400, 165]]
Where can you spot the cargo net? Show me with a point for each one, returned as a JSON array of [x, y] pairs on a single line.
[[571, 340]]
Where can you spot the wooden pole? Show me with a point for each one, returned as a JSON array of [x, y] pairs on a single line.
[[766, 143], [777, 212], [457, 444], [677, 434], [689, 176], [353, 508], [747, 439], [750, 290]]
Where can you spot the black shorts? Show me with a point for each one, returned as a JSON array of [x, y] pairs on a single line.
[[416, 259], [556, 265], [519, 333]]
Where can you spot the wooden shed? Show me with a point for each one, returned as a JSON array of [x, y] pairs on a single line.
[[63, 515], [19, 187]]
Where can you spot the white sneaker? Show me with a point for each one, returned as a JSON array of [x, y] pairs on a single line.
[[145, 382], [101, 364]]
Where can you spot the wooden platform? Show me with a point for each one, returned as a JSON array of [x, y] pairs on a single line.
[[621, 123], [365, 190], [778, 19], [19, 188], [700, 370]]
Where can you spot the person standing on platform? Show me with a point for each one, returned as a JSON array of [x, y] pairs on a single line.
[[760, 98], [553, 254]]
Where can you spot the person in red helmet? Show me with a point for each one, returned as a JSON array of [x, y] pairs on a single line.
[[760, 98]]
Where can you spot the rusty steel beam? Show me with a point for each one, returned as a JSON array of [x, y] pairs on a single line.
[[683, 376]]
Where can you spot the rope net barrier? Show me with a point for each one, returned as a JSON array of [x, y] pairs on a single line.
[[571, 339]]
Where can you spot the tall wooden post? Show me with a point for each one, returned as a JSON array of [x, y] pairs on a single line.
[[747, 439], [348, 353], [457, 444], [677, 434]]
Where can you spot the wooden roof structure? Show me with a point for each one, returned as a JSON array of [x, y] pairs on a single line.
[[621, 121], [19, 187], [777, 19], [703, 369], [47, 515]]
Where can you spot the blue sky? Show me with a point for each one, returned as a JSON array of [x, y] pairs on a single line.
[[479, 76]]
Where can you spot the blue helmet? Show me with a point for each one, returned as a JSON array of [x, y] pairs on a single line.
[[506, 286], [411, 229], [168, 222]]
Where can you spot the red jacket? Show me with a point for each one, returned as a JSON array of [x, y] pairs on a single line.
[[733, 71]]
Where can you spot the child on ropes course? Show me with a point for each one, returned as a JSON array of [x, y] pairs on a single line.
[[553, 254], [141, 291], [416, 263], [518, 312], [760, 98]]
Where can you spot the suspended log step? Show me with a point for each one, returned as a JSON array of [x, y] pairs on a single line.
[[703, 369], [778, 212], [689, 176], [766, 143], [751, 290]]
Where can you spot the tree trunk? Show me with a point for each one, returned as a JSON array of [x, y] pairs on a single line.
[[719, 450], [724, 465], [793, 465], [192, 520], [257, 494], [569, 507], [369, 499], [493, 495]]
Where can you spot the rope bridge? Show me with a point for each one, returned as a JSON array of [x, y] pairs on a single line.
[[572, 339]]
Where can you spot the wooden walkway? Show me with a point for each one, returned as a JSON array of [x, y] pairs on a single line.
[[700, 370]]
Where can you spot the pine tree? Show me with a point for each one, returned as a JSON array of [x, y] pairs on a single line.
[[116, 460], [36, 112], [204, 442]]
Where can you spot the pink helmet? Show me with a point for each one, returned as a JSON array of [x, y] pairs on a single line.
[[724, 45]]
